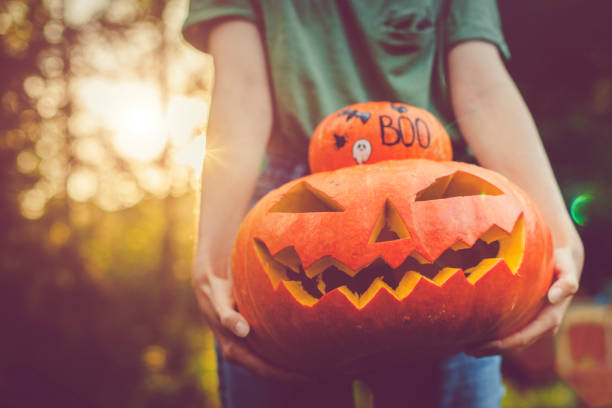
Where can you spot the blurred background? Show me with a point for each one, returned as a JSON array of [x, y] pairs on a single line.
[[103, 112]]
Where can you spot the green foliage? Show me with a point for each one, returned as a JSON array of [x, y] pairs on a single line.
[[111, 330], [96, 307]]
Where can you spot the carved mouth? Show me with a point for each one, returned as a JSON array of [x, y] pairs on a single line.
[[308, 285]]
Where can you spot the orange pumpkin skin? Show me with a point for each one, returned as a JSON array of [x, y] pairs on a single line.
[[374, 131], [431, 316]]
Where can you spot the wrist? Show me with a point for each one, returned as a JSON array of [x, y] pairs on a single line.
[[566, 236], [572, 242]]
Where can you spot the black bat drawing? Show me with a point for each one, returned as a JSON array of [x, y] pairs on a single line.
[[352, 113], [340, 141], [400, 109]]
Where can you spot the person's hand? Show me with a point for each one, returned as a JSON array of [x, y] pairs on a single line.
[[568, 267], [214, 295]]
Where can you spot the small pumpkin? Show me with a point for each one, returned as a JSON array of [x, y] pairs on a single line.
[[352, 269], [374, 131]]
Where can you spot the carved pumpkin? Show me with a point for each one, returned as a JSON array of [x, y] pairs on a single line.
[[584, 352], [374, 131], [351, 269]]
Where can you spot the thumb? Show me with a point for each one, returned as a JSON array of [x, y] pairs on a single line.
[[223, 302], [234, 322], [567, 281]]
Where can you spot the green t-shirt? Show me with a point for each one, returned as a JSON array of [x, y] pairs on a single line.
[[326, 54]]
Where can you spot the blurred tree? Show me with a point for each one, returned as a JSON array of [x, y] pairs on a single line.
[[562, 63], [97, 309]]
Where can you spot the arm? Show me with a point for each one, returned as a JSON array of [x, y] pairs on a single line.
[[238, 130], [499, 129]]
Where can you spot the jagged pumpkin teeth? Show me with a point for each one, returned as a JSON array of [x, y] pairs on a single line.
[[318, 267], [288, 257], [388, 255], [328, 274]]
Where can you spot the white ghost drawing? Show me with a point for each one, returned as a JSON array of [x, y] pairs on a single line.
[[362, 149]]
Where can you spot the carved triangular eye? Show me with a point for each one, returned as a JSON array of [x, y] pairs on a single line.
[[459, 184], [303, 198], [389, 226]]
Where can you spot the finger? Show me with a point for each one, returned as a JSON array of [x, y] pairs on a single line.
[[567, 281], [223, 302], [235, 351], [548, 320], [217, 303]]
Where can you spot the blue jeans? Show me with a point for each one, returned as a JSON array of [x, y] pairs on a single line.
[[459, 381]]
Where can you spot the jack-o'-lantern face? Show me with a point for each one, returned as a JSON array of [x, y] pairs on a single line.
[[393, 257], [366, 133]]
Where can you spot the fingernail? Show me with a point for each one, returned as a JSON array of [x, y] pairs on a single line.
[[555, 294], [241, 329]]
